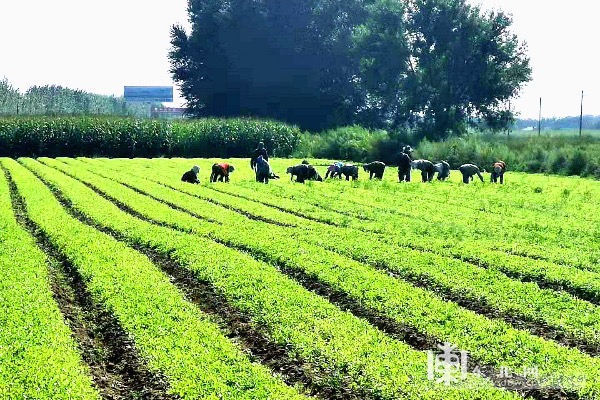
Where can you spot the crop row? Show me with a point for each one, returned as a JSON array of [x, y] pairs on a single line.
[[340, 347], [472, 230], [172, 335], [492, 342], [324, 203], [425, 204], [38, 357], [376, 247], [530, 194], [130, 137], [462, 235], [526, 236], [547, 196], [484, 287]]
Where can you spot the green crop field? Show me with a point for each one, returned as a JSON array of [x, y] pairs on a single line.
[[120, 281]]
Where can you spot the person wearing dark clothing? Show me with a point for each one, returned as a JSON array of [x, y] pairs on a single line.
[[220, 172], [258, 152], [334, 170], [426, 167], [191, 176], [375, 168], [263, 170], [304, 172], [498, 171], [443, 170], [404, 163], [468, 170], [349, 170]]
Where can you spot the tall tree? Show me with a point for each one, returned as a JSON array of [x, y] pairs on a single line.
[[9, 97], [468, 64], [433, 64], [381, 46], [286, 60]]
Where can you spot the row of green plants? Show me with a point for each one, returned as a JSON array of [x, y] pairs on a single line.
[[470, 246], [423, 207], [337, 348], [488, 341], [130, 137], [445, 272], [58, 100], [38, 357], [458, 210], [552, 153], [552, 264], [213, 137], [171, 334]]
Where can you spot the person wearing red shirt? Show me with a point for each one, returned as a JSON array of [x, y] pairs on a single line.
[[221, 171]]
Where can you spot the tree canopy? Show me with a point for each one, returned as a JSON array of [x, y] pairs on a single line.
[[434, 65], [58, 100]]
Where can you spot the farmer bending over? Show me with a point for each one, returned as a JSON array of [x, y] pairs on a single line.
[[221, 171], [191, 176]]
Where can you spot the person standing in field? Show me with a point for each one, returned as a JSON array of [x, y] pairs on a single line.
[[221, 171], [498, 170], [404, 164], [260, 151], [191, 176], [468, 170]]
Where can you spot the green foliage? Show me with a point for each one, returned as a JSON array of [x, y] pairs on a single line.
[[214, 137], [373, 228], [337, 346], [470, 65], [128, 137], [282, 60], [9, 98], [322, 64], [554, 154], [170, 333], [38, 357], [57, 100], [409, 253], [353, 143], [346, 143]]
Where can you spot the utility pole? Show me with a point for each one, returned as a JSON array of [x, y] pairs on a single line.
[[540, 119], [581, 115], [508, 131]]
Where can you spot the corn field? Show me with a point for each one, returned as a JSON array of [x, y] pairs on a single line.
[[130, 137]]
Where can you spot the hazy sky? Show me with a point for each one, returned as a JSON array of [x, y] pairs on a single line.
[[102, 46]]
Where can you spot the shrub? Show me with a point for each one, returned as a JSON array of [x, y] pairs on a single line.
[[550, 154], [353, 143]]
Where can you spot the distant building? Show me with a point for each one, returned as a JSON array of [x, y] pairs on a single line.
[[146, 94], [167, 112], [528, 129]]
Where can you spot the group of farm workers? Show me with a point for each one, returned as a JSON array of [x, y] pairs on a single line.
[[259, 162]]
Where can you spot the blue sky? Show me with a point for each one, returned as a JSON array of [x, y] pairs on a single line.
[[102, 46]]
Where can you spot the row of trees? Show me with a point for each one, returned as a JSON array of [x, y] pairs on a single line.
[[434, 65], [588, 122], [57, 100]]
